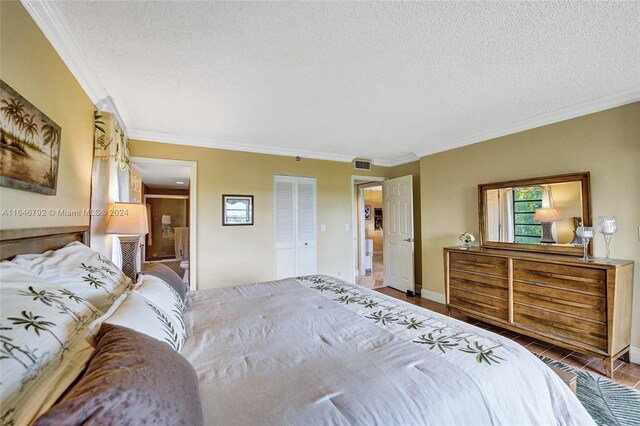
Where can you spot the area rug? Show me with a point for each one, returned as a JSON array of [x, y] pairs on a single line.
[[608, 402]]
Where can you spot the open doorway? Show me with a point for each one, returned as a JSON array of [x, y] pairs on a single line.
[[372, 271], [168, 190], [368, 238]]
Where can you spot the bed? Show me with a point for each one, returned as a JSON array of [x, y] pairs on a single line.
[[318, 350]]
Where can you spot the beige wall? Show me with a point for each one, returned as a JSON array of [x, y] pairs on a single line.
[[30, 65], [607, 144], [373, 198], [229, 255]]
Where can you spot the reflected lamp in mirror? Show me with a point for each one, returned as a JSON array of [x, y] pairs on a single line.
[[546, 217], [129, 222]]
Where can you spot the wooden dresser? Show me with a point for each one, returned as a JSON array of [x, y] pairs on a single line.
[[585, 307]]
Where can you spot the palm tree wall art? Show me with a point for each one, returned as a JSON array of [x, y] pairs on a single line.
[[29, 145]]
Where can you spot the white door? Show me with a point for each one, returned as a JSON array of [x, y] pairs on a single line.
[[295, 226], [397, 221]]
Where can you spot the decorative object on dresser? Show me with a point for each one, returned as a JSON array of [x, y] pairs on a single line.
[[584, 307], [129, 221], [607, 226], [466, 238], [585, 233]]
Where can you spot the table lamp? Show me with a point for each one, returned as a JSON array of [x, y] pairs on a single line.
[[129, 222], [546, 217]]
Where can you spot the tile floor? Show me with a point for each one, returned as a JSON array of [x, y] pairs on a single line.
[[375, 279], [624, 373]]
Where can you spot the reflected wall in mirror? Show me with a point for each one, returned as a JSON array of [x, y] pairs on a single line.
[[539, 214]]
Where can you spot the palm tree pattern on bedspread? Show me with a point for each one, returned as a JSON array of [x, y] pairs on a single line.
[[441, 335]]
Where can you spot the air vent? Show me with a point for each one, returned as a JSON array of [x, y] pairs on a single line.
[[360, 164]]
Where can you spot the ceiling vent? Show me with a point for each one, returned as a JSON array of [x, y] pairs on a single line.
[[360, 164]]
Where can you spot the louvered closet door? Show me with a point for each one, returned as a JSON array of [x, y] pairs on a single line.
[[295, 226]]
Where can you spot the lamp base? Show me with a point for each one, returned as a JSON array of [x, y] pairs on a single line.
[[547, 235], [129, 249]]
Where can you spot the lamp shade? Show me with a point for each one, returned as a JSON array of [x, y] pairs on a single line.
[[166, 219], [128, 219], [547, 215]]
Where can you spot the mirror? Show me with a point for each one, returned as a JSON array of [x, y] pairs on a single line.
[[538, 214]]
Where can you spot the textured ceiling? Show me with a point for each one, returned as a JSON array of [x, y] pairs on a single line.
[[383, 80]]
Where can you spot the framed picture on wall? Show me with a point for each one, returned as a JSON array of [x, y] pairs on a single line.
[[237, 210], [377, 216], [29, 145], [367, 212]]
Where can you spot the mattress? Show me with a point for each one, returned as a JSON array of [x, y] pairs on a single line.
[[317, 350]]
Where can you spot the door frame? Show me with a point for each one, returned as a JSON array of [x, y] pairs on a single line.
[[357, 222], [193, 213]]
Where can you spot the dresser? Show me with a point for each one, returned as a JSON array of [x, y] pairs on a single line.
[[584, 307]]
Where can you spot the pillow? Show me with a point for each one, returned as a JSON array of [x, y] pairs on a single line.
[[163, 296], [128, 382], [132, 310], [169, 276], [42, 345], [81, 270]]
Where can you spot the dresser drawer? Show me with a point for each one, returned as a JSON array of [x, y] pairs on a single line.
[[488, 265], [563, 277], [562, 327], [471, 300]]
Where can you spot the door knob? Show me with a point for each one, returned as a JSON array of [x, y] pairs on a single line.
[[409, 240], [306, 244]]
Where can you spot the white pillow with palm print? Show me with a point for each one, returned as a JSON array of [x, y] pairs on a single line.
[[134, 311], [42, 346], [81, 270], [164, 296]]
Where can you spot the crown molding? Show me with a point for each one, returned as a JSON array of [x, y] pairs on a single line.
[[150, 136], [56, 30], [562, 114], [398, 161]]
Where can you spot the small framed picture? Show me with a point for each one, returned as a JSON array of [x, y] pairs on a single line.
[[367, 212], [378, 219], [237, 210]]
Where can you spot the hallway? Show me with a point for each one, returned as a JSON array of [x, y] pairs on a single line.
[[374, 278]]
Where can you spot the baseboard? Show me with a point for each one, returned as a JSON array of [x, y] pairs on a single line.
[[634, 354], [432, 295]]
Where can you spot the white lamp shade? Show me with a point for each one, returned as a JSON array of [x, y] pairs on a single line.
[[166, 219], [128, 219], [547, 215]]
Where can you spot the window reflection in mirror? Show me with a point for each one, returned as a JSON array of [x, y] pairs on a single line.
[[521, 214]]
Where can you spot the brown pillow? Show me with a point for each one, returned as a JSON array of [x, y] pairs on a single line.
[[169, 276], [131, 379]]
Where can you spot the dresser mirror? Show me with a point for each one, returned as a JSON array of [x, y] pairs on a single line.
[[538, 214]]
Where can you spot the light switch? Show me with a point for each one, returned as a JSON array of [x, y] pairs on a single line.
[[323, 227], [347, 227]]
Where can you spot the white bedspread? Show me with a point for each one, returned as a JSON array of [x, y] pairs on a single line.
[[321, 351]]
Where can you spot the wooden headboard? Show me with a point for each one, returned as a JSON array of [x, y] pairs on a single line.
[[39, 240]]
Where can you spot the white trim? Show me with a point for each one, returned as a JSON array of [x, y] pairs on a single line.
[[193, 211], [150, 136], [432, 295], [634, 354], [171, 197], [409, 158], [573, 111], [355, 218], [56, 30]]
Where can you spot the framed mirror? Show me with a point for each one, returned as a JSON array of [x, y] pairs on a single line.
[[538, 214]]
